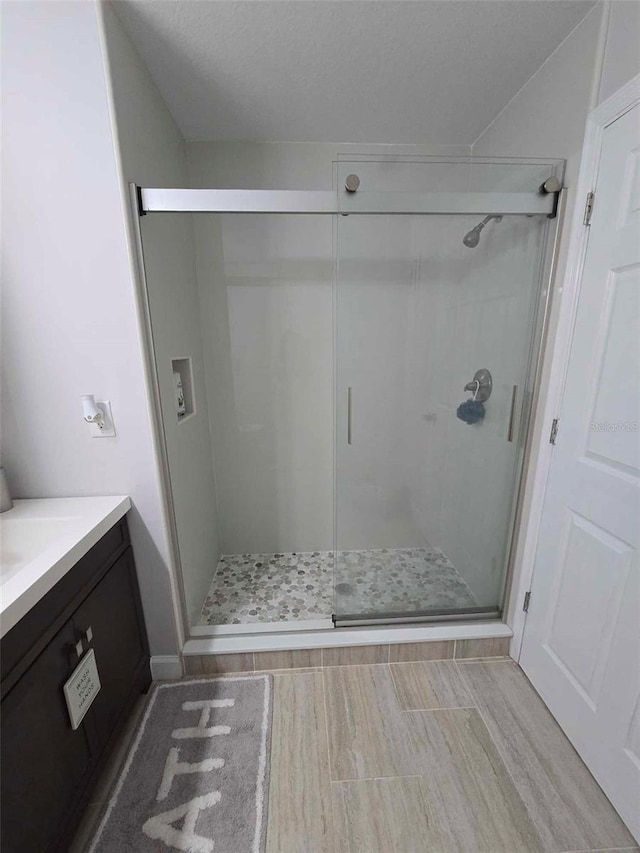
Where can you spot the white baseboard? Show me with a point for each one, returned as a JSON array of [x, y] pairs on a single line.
[[166, 667]]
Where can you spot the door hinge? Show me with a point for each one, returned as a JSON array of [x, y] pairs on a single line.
[[554, 431], [588, 208], [527, 599]]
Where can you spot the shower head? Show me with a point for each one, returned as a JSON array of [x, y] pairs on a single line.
[[472, 239]]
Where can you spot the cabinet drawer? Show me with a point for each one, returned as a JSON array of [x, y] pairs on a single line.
[[45, 762]]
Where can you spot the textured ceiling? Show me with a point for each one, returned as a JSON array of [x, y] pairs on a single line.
[[415, 71]]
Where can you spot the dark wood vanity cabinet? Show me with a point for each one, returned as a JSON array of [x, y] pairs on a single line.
[[44, 762], [48, 768]]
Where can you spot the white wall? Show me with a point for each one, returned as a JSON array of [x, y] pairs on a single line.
[[547, 117], [152, 153], [69, 313], [622, 52]]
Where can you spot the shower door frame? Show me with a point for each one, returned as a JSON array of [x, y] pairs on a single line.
[[149, 200], [156, 200]]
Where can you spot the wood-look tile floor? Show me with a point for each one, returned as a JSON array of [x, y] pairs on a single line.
[[425, 757], [428, 756]]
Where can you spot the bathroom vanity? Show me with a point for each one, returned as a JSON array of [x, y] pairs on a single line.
[[69, 599]]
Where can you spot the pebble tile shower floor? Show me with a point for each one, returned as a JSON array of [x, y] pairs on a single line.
[[299, 586]]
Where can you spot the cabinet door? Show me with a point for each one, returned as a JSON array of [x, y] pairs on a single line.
[[44, 761], [111, 616]]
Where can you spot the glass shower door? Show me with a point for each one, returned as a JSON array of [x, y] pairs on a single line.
[[425, 489]]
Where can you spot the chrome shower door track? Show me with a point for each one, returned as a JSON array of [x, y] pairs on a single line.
[[160, 200], [464, 614]]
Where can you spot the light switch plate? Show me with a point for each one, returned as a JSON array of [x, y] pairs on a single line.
[[108, 430]]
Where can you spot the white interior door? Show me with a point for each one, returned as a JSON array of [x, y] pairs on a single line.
[[581, 647]]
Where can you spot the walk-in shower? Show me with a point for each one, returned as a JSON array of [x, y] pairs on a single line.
[[359, 387]]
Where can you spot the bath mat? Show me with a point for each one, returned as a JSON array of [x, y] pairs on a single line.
[[197, 774]]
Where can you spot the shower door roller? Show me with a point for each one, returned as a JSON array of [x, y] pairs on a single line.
[[551, 185], [351, 183]]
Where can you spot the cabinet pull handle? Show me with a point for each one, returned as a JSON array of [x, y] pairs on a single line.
[[348, 415]]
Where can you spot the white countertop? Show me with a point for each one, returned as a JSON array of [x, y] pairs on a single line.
[[40, 540]]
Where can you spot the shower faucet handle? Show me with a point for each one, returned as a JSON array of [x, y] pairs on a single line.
[[481, 385]]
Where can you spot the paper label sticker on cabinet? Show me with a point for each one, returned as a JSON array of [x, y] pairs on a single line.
[[82, 688]]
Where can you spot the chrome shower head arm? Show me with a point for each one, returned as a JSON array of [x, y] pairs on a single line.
[[496, 216], [472, 239]]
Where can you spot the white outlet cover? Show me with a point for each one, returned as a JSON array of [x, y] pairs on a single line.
[[108, 430]]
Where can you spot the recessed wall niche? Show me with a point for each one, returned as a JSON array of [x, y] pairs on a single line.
[[185, 404]]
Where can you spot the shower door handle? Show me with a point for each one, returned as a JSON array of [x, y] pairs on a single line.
[[512, 416], [349, 395]]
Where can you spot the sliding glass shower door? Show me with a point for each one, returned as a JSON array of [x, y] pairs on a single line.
[[436, 320], [419, 280]]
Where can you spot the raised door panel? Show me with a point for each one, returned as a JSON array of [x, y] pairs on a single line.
[[44, 761], [113, 616], [616, 400], [591, 575]]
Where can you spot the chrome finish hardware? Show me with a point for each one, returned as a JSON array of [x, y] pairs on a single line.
[[588, 209], [514, 394], [349, 415], [527, 599], [465, 614], [351, 183], [481, 385], [551, 185], [86, 637], [160, 200]]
